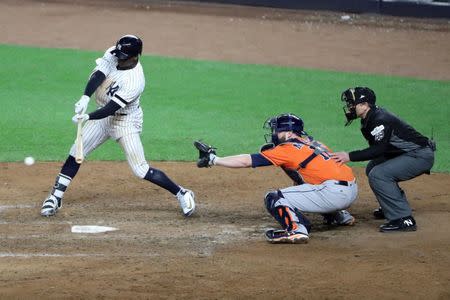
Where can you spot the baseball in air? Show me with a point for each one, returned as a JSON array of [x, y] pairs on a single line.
[[29, 161]]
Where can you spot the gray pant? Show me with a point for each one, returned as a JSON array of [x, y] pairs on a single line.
[[326, 197], [384, 175]]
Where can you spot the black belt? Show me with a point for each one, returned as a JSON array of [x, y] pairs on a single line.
[[121, 114]]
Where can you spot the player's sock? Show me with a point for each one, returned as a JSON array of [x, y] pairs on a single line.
[[70, 167], [159, 178], [68, 172], [61, 184]]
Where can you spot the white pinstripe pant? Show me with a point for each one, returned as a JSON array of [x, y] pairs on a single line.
[[125, 130]]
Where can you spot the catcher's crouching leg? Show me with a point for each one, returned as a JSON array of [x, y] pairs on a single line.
[[295, 225]]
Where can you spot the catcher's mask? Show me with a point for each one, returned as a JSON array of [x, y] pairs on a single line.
[[280, 123], [353, 96], [128, 46]]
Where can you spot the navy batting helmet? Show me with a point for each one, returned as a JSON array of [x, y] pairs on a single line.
[[128, 46], [283, 122]]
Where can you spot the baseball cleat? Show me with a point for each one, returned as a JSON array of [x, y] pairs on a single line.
[[50, 206], [187, 202], [282, 236], [344, 218], [402, 224], [341, 218]]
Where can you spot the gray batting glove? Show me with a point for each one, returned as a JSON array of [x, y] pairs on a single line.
[[80, 118], [82, 104]]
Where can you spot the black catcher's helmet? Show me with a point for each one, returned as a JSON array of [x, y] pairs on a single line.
[[283, 122], [353, 96], [128, 46]]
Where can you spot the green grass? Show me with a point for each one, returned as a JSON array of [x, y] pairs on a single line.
[[222, 103]]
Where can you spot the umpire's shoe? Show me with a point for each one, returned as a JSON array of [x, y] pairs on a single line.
[[187, 202], [50, 206], [402, 224], [282, 236]]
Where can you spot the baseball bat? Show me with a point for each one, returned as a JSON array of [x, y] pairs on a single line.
[[79, 144]]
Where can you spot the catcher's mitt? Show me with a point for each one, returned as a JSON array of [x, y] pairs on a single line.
[[206, 154]]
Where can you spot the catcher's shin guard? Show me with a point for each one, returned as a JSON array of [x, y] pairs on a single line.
[[284, 214], [270, 201], [284, 217]]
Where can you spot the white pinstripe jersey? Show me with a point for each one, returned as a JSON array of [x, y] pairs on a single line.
[[121, 86]]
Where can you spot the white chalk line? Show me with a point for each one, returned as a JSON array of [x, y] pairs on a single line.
[[5, 207], [51, 255], [8, 254]]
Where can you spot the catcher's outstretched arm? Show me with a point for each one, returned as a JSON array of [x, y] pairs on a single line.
[[235, 161]]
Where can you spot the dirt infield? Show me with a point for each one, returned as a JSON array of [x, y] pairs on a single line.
[[219, 252]]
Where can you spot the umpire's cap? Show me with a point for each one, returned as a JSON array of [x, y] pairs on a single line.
[[128, 46]]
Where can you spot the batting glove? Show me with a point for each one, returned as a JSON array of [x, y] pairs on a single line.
[[80, 118], [82, 104], [212, 159]]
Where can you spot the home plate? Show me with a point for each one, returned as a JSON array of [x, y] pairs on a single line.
[[91, 229]]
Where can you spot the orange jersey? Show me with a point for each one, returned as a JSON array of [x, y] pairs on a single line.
[[321, 167]]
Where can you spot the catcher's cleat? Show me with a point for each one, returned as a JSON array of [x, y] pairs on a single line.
[[50, 206], [402, 224], [282, 236], [187, 202], [341, 218], [378, 214]]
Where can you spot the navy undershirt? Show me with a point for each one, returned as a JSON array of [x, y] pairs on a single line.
[[108, 110], [258, 160]]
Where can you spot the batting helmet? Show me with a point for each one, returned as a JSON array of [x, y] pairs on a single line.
[[128, 46], [283, 122], [353, 96]]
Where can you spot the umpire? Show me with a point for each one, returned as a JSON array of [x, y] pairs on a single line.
[[397, 152]]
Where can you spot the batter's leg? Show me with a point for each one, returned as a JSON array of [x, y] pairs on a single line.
[[134, 152], [94, 134]]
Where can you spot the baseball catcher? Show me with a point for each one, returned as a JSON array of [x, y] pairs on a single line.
[[321, 185], [397, 152]]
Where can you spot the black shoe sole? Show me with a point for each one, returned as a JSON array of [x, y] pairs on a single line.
[[405, 229]]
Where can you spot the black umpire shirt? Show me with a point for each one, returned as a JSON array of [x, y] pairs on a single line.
[[387, 135]]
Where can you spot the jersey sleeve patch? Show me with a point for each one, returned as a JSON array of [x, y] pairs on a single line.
[[378, 133]]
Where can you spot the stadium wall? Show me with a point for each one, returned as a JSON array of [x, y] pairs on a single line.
[[421, 8]]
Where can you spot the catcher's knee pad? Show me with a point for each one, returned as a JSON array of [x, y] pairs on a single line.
[[270, 199]]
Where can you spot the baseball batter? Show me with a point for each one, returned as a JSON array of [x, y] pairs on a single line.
[[321, 185], [118, 82]]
